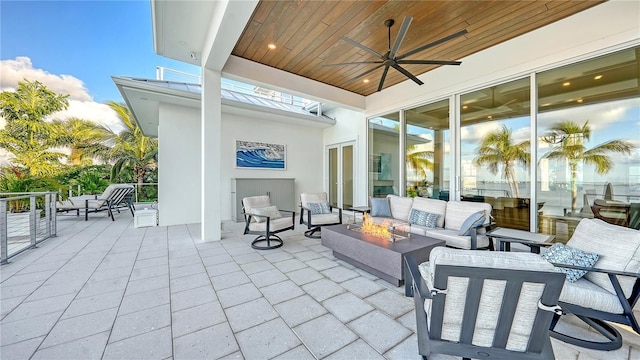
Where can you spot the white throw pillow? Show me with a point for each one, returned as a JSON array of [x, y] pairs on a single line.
[[270, 211]]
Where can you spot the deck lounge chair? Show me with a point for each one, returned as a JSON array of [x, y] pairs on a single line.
[[114, 197]]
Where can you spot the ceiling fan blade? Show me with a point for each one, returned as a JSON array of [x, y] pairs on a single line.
[[355, 63], [437, 42], [400, 37], [430, 62], [372, 52], [362, 74], [384, 76], [407, 74]]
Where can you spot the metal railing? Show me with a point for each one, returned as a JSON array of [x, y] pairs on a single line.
[[163, 73], [20, 231]]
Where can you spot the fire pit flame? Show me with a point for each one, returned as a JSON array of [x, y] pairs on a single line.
[[368, 227]]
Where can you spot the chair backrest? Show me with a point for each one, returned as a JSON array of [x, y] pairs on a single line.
[[254, 202], [492, 299], [618, 247], [306, 198]]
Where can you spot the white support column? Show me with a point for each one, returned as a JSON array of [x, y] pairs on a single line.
[[211, 123]]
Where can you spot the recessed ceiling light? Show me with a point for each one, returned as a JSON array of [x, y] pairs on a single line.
[[566, 84], [365, 81], [489, 117], [271, 46], [580, 101], [465, 107], [597, 77]]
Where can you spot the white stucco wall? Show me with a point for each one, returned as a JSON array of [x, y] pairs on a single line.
[[179, 159], [178, 164], [303, 146]]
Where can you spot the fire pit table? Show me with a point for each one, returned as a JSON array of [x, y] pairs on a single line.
[[378, 256]]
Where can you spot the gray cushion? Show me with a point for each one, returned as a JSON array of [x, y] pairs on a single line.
[[459, 211], [319, 208], [423, 218], [270, 211], [433, 206], [380, 207], [562, 254], [474, 220]]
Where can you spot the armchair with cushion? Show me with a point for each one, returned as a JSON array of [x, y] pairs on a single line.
[[265, 220], [609, 288], [315, 212], [481, 304]]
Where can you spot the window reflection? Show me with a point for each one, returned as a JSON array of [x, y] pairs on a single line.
[[428, 159], [384, 152], [589, 139], [495, 151]]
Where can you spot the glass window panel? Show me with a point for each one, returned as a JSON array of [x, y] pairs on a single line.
[[495, 150], [384, 152], [428, 157], [589, 137]]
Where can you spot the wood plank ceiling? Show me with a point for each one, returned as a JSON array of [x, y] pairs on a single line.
[[307, 33]]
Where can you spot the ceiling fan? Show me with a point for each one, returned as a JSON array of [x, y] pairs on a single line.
[[392, 59]]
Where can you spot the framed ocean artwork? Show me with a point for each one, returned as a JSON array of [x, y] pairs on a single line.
[[260, 155]]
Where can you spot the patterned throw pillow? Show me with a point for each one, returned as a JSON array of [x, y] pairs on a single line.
[[563, 254], [270, 211], [380, 207], [474, 220], [319, 208], [423, 218]]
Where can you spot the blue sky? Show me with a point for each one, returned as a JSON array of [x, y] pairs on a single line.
[[89, 40]]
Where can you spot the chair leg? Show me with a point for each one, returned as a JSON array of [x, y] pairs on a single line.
[[277, 242], [603, 328], [310, 233]]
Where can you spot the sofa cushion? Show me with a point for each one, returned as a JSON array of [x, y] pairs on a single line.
[[459, 211], [423, 218], [380, 207], [589, 295], [561, 254], [474, 220], [452, 238], [271, 211], [433, 206], [322, 219], [618, 247], [400, 206], [319, 208]]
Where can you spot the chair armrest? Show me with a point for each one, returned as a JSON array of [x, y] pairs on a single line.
[[289, 211], [605, 271], [416, 278]]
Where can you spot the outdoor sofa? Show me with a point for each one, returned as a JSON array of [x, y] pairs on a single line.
[[461, 225]]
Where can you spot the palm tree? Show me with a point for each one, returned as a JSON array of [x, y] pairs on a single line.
[[26, 135], [87, 139], [571, 147], [497, 149], [131, 148], [419, 160]]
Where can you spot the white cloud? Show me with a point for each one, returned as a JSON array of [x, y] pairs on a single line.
[[81, 104], [14, 71]]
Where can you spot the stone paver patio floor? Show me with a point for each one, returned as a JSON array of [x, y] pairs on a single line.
[[105, 290]]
